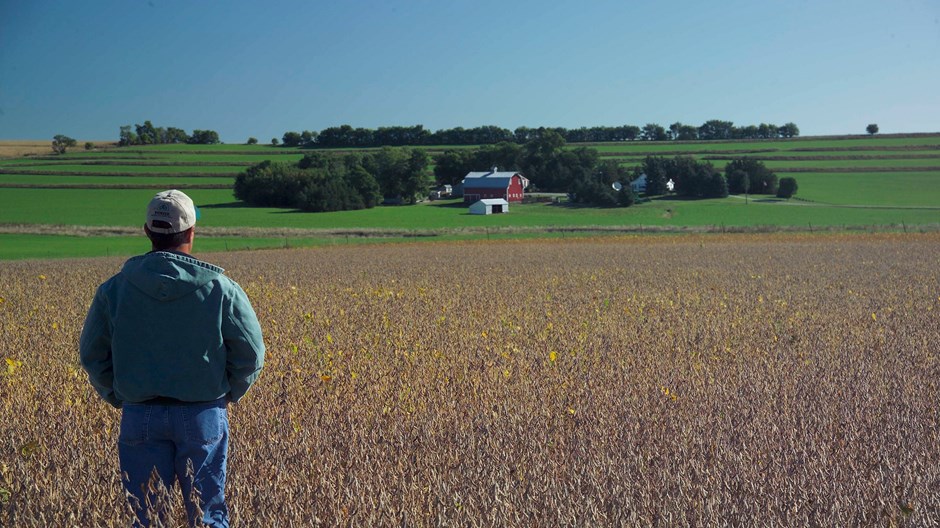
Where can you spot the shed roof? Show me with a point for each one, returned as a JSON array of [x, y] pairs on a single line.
[[493, 201]]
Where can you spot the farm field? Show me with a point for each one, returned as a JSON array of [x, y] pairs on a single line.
[[690, 380], [852, 183]]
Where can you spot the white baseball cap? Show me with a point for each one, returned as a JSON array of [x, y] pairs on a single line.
[[170, 212]]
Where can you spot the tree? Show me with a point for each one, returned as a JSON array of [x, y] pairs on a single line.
[[365, 183], [175, 135], [89, 145], [745, 183], [146, 133], [787, 187], [451, 166], [872, 129], [402, 173], [308, 138], [503, 155], [204, 137], [127, 137], [539, 160], [274, 142], [674, 130], [592, 191], [625, 196], [738, 181], [716, 129], [656, 169], [292, 139], [252, 141], [789, 130], [687, 133], [629, 132], [654, 132], [61, 142]]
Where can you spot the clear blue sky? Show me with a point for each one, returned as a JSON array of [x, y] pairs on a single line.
[[249, 68]]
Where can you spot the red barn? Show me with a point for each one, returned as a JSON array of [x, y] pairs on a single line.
[[507, 185]]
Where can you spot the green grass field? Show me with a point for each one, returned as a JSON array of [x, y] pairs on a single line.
[[854, 183], [169, 180]]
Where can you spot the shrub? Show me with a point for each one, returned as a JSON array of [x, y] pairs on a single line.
[[787, 187]]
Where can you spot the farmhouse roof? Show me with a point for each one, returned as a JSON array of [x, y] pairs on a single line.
[[492, 179]]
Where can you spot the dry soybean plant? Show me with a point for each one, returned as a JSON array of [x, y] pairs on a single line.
[[785, 380]]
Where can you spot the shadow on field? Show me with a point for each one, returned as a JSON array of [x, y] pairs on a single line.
[[226, 205], [243, 205], [451, 204]]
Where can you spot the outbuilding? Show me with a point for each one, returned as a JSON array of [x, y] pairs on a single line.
[[639, 185], [490, 206]]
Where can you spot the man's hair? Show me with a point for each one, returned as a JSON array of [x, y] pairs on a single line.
[[165, 241]]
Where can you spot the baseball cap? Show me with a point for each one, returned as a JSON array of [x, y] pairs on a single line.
[[171, 212]]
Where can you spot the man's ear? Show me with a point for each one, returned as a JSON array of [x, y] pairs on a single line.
[[191, 235]]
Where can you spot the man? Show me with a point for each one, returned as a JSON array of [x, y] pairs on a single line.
[[171, 341]]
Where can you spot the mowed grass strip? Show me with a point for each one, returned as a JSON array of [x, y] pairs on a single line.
[[885, 165], [808, 145], [20, 180], [124, 170]]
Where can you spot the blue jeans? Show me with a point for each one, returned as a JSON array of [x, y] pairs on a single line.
[[187, 443]]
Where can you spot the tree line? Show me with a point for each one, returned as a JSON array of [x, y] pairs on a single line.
[[345, 136], [147, 134], [323, 182]]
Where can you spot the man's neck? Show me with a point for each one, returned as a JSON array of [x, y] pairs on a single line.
[[185, 249]]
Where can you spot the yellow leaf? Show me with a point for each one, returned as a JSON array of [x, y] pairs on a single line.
[[326, 378], [27, 449], [873, 318], [552, 356], [329, 339], [42, 277], [12, 365]]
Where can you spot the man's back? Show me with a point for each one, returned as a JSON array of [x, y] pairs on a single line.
[[175, 324]]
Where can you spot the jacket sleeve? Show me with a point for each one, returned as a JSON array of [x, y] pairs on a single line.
[[241, 334], [94, 349]]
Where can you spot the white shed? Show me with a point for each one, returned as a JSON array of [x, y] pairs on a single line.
[[490, 206]]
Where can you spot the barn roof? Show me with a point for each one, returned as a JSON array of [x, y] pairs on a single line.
[[491, 179]]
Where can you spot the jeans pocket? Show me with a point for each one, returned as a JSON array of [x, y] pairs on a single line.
[[206, 425], [135, 423]]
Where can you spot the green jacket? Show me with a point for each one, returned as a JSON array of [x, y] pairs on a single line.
[[170, 325]]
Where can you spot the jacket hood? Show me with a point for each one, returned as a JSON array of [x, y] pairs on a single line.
[[166, 276]]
